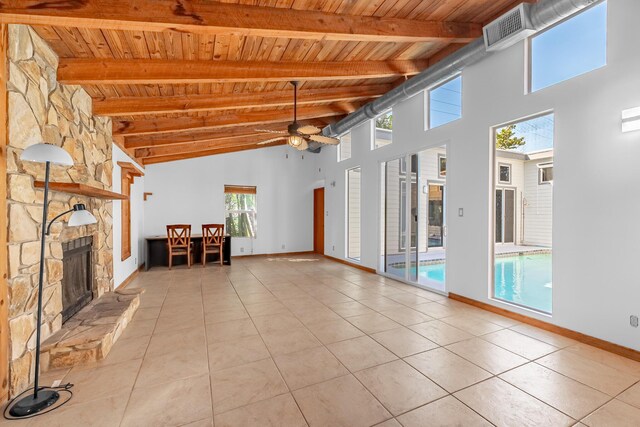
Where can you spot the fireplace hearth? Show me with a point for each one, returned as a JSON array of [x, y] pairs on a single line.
[[77, 279]]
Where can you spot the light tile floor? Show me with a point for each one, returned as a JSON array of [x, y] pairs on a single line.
[[285, 342]]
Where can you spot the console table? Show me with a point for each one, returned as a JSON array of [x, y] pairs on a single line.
[[157, 254]]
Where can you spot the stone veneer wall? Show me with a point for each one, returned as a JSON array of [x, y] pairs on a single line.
[[40, 109]]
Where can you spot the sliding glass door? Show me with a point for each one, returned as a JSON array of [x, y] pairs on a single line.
[[413, 218]]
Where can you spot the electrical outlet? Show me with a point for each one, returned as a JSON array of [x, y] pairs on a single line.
[[135, 261], [633, 320], [283, 246], [460, 211], [241, 250], [333, 248]]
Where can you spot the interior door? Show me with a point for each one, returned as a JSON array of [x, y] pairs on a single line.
[[318, 220]]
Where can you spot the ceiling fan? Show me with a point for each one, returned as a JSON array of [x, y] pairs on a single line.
[[298, 136]]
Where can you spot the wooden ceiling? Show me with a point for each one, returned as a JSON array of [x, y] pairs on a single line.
[[190, 78]]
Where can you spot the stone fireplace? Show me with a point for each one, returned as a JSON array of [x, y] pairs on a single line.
[[41, 109], [77, 277]]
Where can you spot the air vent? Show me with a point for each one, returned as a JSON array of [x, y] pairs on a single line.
[[509, 29]]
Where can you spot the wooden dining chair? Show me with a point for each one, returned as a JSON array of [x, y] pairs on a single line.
[[179, 242], [212, 240]]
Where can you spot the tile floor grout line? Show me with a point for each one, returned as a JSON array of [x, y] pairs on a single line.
[[124, 412]]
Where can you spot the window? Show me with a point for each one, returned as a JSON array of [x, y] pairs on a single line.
[[353, 213], [240, 211], [442, 166], [383, 130], [572, 48], [545, 173], [344, 148], [504, 173], [445, 102]]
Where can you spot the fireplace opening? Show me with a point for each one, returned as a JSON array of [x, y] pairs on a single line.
[[77, 277]]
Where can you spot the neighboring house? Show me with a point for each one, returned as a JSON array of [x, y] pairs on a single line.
[[523, 201], [524, 197]]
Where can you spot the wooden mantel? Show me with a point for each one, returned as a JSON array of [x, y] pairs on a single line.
[[82, 190]]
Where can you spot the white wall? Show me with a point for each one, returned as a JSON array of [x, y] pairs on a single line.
[[192, 192], [595, 275], [123, 269]]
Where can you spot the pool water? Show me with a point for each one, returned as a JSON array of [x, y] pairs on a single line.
[[525, 280], [520, 279]]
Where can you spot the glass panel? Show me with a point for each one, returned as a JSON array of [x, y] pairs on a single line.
[[498, 216], [509, 215], [431, 219], [524, 214], [383, 130], [344, 148], [572, 48], [445, 103], [353, 213], [413, 219], [394, 217], [240, 215]]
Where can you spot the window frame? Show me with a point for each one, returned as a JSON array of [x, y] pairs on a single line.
[[440, 158], [428, 124], [529, 50], [348, 216], [252, 213], [541, 168], [508, 166], [339, 147], [374, 128]]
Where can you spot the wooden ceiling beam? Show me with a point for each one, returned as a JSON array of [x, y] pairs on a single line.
[[197, 16], [188, 124], [133, 106], [211, 152], [203, 145], [160, 140], [109, 71]]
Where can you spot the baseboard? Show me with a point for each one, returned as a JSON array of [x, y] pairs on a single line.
[[577, 336], [129, 279], [141, 267], [352, 264], [274, 254]]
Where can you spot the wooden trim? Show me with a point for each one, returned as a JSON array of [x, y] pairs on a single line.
[[216, 18], [109, 71], [240, 189], [4, 267], [126, 282], [274, 254], [82, 190], [351, 264], [130, 168], [137, 105], [577, 336], [146, 195]]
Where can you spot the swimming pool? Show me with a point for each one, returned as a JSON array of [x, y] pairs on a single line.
[[521, 279]]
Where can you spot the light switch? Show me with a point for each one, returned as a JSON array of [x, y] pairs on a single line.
[[460, 211]]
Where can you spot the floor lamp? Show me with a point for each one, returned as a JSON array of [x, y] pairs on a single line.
[[44, 397]]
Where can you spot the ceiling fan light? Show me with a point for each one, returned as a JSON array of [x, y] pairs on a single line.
[[295, 140]]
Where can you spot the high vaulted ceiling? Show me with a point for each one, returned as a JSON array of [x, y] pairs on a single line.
[[190, 78]]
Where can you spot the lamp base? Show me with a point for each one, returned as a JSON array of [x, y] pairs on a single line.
[[29, 405]]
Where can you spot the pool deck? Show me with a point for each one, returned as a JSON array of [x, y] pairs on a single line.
[[438, 254]]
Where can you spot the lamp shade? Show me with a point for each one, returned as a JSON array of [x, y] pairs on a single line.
[[81, 216], [43, 152]]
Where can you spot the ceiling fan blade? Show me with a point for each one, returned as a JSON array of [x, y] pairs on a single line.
[[324, 139], [309, 130], [270, 131], [303, 146], [269, 141]]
